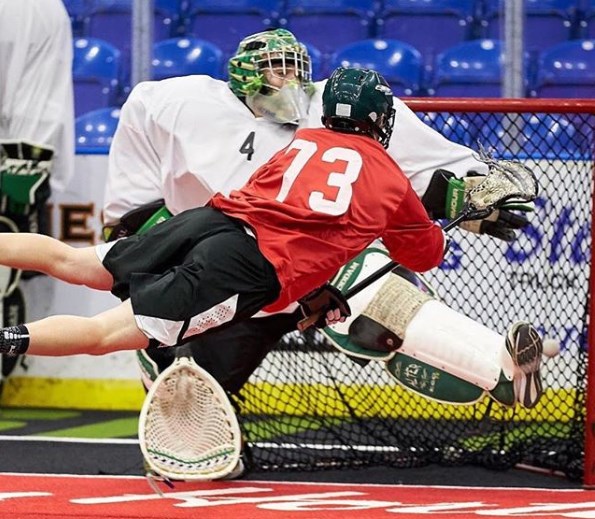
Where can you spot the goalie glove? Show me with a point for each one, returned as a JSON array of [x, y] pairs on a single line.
[[447, 194], [322, 300]]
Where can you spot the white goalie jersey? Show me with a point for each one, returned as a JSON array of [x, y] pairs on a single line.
[[184, 139]]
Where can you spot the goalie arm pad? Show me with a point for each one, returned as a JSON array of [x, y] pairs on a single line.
[[447, 194], [25, 169], [321, 300]]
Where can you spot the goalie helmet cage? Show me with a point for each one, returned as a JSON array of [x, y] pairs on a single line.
[[309, 407]]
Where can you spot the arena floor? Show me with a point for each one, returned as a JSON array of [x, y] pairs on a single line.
[[83, 457], [46, 441], [54, 461]]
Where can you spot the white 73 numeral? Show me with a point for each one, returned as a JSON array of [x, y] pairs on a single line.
[[341, 179]]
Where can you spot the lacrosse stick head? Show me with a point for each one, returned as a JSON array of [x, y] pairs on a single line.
[[188, 429], [506, 181]]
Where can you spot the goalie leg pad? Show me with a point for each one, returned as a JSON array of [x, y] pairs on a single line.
[[431, 382], [395, 304], [443, 338], [339, 334], [377, 333]]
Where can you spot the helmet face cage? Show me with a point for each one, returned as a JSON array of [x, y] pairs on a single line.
[[359, 101], [276, 51]]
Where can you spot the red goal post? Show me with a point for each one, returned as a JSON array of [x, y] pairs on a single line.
[[308, 407]]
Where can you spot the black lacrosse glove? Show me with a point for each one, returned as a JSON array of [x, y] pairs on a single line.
[[501, 224], [445, 197], [321, 300]]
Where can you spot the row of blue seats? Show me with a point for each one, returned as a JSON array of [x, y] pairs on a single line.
[[470, 69], [429, 25], [544, 136]]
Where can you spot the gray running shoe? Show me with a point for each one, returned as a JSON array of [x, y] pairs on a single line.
[[525, 347]]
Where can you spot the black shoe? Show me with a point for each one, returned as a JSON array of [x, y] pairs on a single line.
[[525, 347]]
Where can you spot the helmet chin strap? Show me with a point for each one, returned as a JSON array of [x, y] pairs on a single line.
[[288, 105]]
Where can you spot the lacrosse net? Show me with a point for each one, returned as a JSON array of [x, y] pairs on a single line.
[[309, 407]]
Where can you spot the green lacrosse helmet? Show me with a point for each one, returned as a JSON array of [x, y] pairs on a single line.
[[258, 51], [359, 101]]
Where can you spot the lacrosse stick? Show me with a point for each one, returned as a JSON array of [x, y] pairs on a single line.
[[506, 181], [188, 429]]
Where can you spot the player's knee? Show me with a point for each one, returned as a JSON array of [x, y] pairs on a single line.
[[64, 264], [100, 341], [81, 266]]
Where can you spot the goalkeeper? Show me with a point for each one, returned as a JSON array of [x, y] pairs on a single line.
[[179, 140], [303, 214]]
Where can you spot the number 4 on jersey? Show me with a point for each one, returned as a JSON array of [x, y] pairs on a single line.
[[248, 146]]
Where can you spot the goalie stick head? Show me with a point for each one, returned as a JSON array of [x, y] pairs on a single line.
[[359, 101], [187, 428], [507, 180]]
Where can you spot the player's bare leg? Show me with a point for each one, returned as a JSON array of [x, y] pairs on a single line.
[[61, 335], [78, 266]]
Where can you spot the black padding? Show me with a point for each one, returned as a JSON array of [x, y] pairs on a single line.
[[14, 314], [232, 353], [135, 218], [369, 334], [434, 199], [132, 221]]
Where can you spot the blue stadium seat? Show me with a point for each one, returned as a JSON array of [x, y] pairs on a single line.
[[226, 22], [429, 25], [567, 70], [550, 137], [168, 16], [547, 22], [96, 73], [454, 128], [586, 19], [399, 63], [77, 12], [540, 136], [111, 20], [470, 69], [186, 56], [94, 130], [330, 24], [318, 61]]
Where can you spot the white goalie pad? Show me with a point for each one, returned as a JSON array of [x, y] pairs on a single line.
[[452, 342], [431, 332]]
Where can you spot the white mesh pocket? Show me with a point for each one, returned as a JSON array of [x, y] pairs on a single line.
[[188, 429]]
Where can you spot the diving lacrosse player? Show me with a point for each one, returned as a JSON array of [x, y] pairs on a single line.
[[179, 140], [302, 215]]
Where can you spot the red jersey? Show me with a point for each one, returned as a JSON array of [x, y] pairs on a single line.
[[319, 202]]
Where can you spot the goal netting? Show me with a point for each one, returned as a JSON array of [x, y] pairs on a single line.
[[309, 407]]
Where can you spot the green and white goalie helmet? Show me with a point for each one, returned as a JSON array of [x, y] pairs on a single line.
[[274, 53]]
